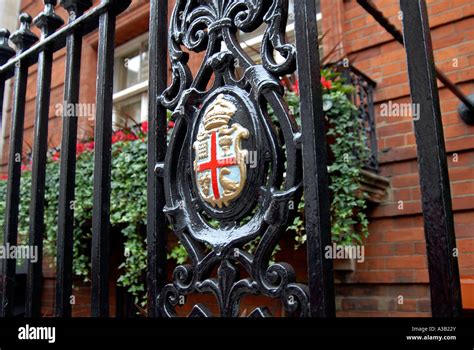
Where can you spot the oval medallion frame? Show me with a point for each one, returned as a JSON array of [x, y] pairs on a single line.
[[245, 116]]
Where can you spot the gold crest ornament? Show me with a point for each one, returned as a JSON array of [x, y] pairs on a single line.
[[220, 162]]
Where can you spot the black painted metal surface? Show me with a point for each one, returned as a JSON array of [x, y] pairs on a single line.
[[316, 192], [48, 22], [434, 178], [363, 99], [157, 130], [102, 167], [6, 52], [215, 204], [88, 22], [29, 53], [369, 6], [23, 38], [67, 179], [2, 95]]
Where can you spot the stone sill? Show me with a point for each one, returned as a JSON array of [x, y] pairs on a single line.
[[345, 265], [375, 186]]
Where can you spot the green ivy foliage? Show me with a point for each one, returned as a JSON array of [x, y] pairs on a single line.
[[348, 146], [127, 211], [128, 195]]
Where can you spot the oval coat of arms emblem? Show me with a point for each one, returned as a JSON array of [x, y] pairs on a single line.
[[220, 162]]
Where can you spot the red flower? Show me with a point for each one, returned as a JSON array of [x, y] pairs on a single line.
[[327, 84], [296, 87], [144, 127], [80, 148], [171, 124], [55, 156], [24, 167], [3, 177], [123, 136], [89, 145]]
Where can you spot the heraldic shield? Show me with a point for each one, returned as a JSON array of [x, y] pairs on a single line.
[[220, 162]]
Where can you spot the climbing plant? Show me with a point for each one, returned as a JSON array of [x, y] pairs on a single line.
[[128, 196], [348, 152]]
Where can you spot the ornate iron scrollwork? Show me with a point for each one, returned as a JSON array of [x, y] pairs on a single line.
[[223, 121]]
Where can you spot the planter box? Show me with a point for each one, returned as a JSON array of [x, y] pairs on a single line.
[[345, 265], [375, 186]]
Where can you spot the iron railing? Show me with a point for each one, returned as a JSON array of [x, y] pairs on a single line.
[[363, 99], [30, 51], [201, 117], [466, 107], [279, 180]]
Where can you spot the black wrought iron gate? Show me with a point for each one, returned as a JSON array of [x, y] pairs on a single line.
[[202, 177], [221, 119]]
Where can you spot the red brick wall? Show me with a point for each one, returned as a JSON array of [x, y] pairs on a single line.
[[130, 24], [133, 22], [395, 263], [395, 250]]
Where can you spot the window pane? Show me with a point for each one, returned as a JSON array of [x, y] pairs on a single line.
[[144, 62], [251, 42], [130, 70], [291, 12]]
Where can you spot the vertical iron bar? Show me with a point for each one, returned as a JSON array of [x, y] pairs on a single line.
[[67, 178], [102, 166], [390, 28], [434, 178], [374, 161], [6, 52], [48, 22], [316, 190], [156, 228], [2, 95], [23, 38]]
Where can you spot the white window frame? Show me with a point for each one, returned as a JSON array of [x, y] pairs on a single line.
[[255, 42], [9, 10], [140, 89], [258, 39]]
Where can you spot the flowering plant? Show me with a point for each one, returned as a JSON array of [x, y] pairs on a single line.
[[348, 153], [128, 184], [127, 211]]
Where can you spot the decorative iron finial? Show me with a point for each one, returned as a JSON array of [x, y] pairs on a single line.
[[75, 8], [6, 52], [23, 38], [48, 21]]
